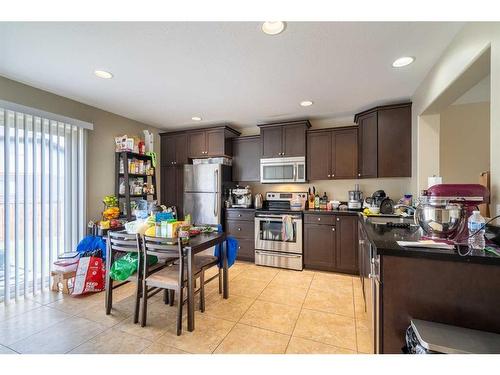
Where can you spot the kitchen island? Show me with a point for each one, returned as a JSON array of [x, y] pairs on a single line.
[[428, 284]]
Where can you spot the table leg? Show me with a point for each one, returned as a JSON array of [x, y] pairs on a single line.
[[225, 276], [190, 262]]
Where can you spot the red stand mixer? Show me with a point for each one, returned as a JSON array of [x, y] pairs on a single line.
[[443, 210]]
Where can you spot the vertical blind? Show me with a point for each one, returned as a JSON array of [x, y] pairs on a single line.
[[42, 195]]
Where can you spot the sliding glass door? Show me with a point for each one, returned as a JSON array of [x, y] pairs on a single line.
[[42, 197]]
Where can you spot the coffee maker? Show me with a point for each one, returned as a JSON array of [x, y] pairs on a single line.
[[355, 199], [241, 197]]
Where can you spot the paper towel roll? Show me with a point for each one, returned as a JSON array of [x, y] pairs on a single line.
[[434, 180]]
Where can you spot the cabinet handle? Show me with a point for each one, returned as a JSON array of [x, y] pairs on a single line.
[[239, 228], [333, 175], [329, 176], [319, 219], [239, 215], [338, 219], [239, 247], [359, 174], [333, 229]]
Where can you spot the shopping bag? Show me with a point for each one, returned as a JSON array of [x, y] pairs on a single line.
[[89, 276]]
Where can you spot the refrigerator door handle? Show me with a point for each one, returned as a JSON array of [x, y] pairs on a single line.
[[216, 176]]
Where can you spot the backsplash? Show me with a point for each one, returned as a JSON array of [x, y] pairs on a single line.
[[395, 188]]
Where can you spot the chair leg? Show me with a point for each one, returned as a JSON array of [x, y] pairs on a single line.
[[166, 294], [180, 302], [202, 291], [144, 303], [220, 281], [171, 297], [138, 295]]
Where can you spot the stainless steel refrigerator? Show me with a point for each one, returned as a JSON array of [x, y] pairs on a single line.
[[205, 188]]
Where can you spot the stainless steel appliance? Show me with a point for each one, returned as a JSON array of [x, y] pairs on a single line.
[[283, 170], [369, 273], [259, 200], [271, 246], [241, 197], [204, 191], [443, 210], [355, 198]]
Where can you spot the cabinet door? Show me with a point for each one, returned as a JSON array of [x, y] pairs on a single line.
[[294, 140], [215, 142], [319, 145], [169, 186], [394, 142], [196, 144], [167, 153], [271, 141], [181, 152], [246, 159], [367, 141], [345, 153], [347, 244], [319, 246]]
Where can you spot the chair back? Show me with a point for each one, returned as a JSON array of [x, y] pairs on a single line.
[[161, 246], [124, 242]]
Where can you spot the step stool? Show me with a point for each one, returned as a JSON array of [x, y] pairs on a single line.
[[61, 277]]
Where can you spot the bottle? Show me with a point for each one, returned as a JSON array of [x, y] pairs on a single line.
[[311, 200], [316, 201], [476, 232], [323, 201]]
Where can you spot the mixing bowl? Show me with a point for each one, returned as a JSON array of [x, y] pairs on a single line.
[[439, 219]]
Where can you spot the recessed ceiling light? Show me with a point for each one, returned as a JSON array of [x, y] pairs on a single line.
[[196, 118], [273, 27], [306, 103], [403, 61], [103, 74]]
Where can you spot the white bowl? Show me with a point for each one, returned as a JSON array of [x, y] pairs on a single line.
[[375, 210]]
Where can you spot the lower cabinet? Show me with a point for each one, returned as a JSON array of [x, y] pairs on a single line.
[[240, 225], [331, 245]]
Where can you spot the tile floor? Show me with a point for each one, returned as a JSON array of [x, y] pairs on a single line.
[[269, 311]]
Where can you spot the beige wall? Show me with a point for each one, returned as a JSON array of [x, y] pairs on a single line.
[[464, 146], [100, 145], [466, 47]]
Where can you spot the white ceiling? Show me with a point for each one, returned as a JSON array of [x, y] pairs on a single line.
[[167, 72]]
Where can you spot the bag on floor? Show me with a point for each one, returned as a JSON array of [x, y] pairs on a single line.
[[89, 276], [126, 266]]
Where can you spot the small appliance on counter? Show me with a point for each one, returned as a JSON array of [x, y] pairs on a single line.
[[241, 197], [258, 201], [442, 210], [379, 202], [355, 198]]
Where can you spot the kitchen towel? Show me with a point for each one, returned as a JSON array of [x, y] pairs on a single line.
[[287, 228]]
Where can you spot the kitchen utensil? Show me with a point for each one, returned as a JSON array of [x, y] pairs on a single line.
[[259, 200]]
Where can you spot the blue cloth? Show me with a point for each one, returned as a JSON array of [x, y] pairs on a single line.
[[92, 243], [231, 251]]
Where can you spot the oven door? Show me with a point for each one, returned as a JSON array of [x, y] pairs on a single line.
[[282, 170], [269, 234]]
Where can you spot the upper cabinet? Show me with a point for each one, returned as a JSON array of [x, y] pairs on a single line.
[[210, 142], [384, 138], [246, 158], [284, 140], [173, 149], [332, 153]]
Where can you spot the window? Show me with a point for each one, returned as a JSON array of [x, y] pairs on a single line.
[[42, 195]]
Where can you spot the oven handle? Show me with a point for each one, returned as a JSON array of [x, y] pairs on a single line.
[[274, 216], [277, 254]]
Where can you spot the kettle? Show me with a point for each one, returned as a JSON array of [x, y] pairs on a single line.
[[258, 201]]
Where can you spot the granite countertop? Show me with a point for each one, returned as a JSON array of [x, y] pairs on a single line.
[[385, 241]]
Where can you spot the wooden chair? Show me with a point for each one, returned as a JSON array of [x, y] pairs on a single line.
[[172, 278]]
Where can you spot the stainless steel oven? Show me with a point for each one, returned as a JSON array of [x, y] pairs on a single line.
[[283, 170], [271, 248]]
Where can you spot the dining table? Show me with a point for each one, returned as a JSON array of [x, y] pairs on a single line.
[[196, 245]]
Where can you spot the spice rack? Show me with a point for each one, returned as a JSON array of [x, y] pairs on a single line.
[[132, 171]]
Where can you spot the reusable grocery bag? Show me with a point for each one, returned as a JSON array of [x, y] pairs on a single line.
[[89, 276], [127, 265]]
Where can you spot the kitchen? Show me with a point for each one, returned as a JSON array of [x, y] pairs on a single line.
[[338, 180]]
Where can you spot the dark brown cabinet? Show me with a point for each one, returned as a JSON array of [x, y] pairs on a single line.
[[173, 149], [286, 139], [240, 225], [319, 246], [210, 142], [331, 242], [384, 138], [172, 181], [332, 153], [347, 244], [246, 159]]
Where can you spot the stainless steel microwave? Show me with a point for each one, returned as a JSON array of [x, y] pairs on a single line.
[[283, 170]]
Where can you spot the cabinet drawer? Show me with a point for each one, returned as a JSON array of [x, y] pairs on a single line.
[[320, 219], [246, 215], [240, 229], [246, 250]]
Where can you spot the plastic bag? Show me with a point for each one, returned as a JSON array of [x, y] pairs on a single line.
[[137, 226], [92, 246], [127, 265], [89, 276]]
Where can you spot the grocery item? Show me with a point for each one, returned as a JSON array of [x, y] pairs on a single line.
[[111, 213], [110, 201]]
